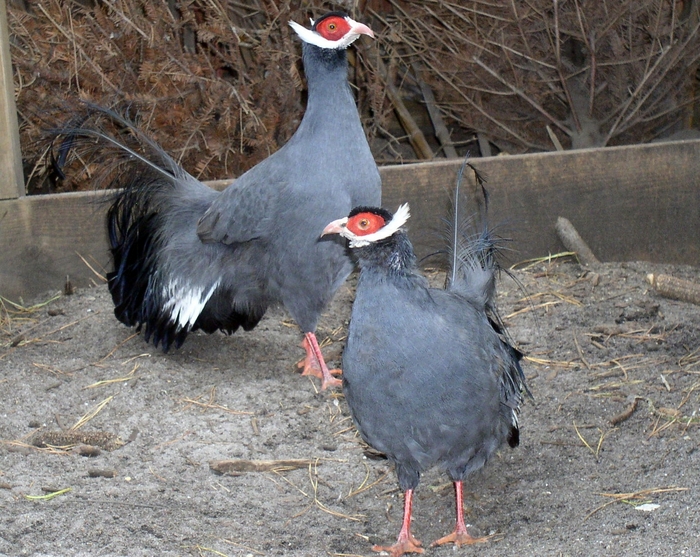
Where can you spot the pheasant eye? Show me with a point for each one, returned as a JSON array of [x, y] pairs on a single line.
[[365, 223], [334, 28]]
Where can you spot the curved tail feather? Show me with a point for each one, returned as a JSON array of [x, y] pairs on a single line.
[[164, 278], [474, 251]]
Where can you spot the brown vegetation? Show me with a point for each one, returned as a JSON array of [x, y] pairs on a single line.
[[218, 82], [541, 74]]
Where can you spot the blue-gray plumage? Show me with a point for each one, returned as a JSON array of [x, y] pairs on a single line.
[[187, 257], [427, 373]]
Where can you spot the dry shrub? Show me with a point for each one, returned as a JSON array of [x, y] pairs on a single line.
[[218, 84], [596, 72]]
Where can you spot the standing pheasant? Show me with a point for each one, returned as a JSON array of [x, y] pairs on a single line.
[[187, 257], [427, 373]]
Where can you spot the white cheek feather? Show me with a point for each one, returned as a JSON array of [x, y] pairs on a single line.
[[185, 304], [400, 217], [311, 37]]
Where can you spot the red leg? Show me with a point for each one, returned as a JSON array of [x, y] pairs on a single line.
[[406, 543], [314, 364], [460, 536]]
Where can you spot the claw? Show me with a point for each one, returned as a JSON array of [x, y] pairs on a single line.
[[315, 365], [460, 536], [405, 543], [410, 545]]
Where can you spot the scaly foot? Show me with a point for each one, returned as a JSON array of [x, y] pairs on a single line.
[[405, 545], [460, 537], [314, 364]]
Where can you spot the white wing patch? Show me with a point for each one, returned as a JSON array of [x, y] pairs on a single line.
[[186, 303]]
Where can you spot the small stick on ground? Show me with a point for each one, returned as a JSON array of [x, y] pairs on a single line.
[[103, 439], [102, 473], [629, 497], [240, 466], [88, 450], [626, 414], [678, 289], [580, 353], [91, 414], [573, 242]]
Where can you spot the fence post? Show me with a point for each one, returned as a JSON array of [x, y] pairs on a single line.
[[11, 174]]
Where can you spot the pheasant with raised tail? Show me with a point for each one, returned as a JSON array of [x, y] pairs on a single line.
[[187, 257], [428, 373]]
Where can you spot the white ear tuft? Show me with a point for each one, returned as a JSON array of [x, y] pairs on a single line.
[[401, 215], [398, 220], [312, 37]]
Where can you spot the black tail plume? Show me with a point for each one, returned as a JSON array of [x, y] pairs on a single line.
[[140, 177], [474, 250]]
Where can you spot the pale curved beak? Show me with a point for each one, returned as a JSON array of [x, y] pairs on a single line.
[[360, 28], [336, 227]]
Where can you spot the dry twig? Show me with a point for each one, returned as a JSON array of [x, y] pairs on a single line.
[[636, 496], [237, 467], [573, 242], [678, 289], [626, 414]]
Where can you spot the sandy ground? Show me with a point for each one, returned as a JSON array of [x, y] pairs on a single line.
[[601, 346]]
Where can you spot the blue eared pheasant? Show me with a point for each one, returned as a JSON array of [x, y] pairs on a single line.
[[428, 374], [187, 257]]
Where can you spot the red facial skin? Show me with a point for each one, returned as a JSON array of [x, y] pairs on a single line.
[[363, 224], [333, 28]]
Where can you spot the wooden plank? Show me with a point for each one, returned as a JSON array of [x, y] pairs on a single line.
[[631, 203], [12, 183], [628, 203], [42, 239]]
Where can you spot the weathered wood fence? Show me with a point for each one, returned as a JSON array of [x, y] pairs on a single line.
[[638, 202]]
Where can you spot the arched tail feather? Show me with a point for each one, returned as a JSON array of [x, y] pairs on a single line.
[[159, 281]]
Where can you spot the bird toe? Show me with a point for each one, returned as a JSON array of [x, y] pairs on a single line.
[[400, 548], [460, 538]]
